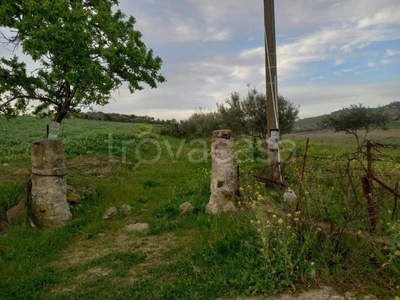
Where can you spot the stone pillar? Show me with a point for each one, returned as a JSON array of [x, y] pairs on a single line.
[[222, 197], [49, 183]]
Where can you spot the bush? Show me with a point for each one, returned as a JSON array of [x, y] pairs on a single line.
[[201, 124]]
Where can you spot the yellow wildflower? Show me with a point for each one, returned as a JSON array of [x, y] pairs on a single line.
[[280, 221]]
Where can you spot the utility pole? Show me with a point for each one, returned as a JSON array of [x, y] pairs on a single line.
[[271, 92]]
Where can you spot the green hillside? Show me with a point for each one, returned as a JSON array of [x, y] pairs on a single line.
[[313, 123]]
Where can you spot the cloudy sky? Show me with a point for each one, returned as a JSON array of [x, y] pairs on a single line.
[[331, 53]]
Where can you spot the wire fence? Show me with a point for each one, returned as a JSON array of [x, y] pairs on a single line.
[[359, 189]]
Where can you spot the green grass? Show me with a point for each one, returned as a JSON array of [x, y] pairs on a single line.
[[79, 136], [395, 124], [194, 255]]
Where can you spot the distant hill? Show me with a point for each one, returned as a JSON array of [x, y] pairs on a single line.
[[313, 123]]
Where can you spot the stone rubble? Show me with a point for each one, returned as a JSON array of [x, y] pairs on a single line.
[[110, 213], [18, 212], [126, 209], [186, 207]]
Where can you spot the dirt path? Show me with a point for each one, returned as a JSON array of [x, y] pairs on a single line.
[[323, 293]]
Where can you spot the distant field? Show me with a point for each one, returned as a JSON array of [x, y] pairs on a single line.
[[392, 133], [314, 123], [79, 136]]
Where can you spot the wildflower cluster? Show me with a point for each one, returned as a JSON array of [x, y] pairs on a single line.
[[285, 256], [392, 258]]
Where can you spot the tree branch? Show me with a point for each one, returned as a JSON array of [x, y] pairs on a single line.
[[28, 97]]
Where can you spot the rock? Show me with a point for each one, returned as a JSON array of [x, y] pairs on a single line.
[[186, 207], [289, 195], [89, 190], [5, 165], [19, 212], [213, 208], [138, 227], [110, 213], [126, 209], [73, 198], [71, 188], [229, 207]]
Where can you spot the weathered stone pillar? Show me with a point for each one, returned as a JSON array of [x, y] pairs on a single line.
[[222, 197], [49, 183]]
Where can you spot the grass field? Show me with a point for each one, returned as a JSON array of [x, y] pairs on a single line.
[[270, 246]]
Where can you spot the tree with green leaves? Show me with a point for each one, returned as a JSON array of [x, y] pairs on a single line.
[[248, 114], [357, 118], [82, 49]]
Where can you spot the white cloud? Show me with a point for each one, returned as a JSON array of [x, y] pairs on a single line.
[[339, 61], [215, 35], [258, 52], [324, 44], [386, 61], [387, 15], [306, 15], [392, 52], [344, 72], [175, 27], [241, 73], [318, 99]]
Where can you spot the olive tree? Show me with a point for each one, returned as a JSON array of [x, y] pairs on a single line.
[[83, 50], [248, 114], [357, 118]]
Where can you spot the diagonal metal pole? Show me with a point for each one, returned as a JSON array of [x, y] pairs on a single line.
[[271, 91]]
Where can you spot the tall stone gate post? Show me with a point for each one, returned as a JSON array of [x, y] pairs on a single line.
[[49, 183], [222, 197]]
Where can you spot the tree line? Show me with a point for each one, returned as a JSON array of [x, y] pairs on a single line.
[[241, 114]]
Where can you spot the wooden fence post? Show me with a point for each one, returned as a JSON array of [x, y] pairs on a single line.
[[367, 191]]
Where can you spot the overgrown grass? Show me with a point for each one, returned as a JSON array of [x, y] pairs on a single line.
[[268, 247], [324, 234]]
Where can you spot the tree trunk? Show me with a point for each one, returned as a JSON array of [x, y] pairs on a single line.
[[358, 142], [61, 113]]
